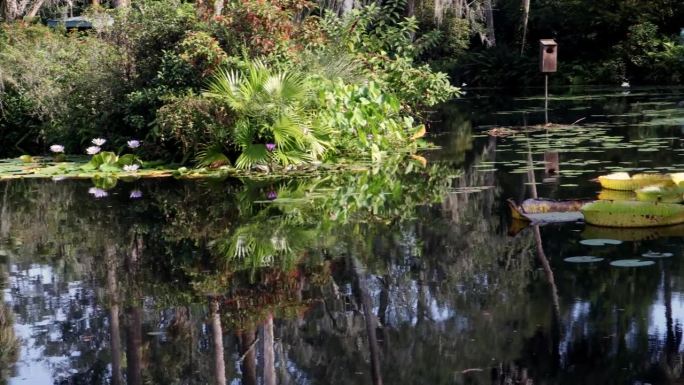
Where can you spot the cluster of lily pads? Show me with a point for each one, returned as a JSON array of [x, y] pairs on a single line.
[[632, 262]]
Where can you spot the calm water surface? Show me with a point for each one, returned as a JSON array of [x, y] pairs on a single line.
[[399, 275]]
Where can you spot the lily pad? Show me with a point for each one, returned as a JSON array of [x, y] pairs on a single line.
[[600, 242], [583, 259], [655, 254], [631, 263]]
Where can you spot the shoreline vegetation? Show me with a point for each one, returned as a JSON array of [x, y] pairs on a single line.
[[251, 86], [249, 90]]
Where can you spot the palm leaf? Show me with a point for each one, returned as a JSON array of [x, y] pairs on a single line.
[[252, 155]]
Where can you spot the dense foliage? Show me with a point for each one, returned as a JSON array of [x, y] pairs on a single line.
[[261, 85], [274, 84]]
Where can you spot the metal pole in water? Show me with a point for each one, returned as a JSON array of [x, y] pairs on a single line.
[[546, 98]]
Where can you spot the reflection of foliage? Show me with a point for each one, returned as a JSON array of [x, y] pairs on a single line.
[[9, 344]]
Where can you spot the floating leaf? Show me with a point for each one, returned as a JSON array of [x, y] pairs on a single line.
[[600, 242], [654, 254], [623, 181], [632, 214], [631, 263], [583, 259]]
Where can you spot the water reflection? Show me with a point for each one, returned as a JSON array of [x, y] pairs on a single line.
[[400, 274]]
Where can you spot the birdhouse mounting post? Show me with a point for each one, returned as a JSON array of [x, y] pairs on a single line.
[[548, 59]]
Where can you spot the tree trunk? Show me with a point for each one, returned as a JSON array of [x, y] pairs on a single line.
[[411, 8], [10, 10], [347, 6], [35, 8], [218, 7], [490, 39], [217, 331], [122, 3], [526, 17]]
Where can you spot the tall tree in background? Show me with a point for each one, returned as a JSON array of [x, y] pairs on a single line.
[[11, 10], [526, 17]]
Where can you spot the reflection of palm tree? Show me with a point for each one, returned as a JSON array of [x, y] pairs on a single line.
[[248, 340], [269, 357], [217, 331]]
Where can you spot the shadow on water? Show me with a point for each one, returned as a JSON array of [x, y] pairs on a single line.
[[401, 274]]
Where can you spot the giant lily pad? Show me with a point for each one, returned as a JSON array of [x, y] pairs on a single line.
[[623, 181], [632, 214], [631, 263], [616, 195], [660, 193]]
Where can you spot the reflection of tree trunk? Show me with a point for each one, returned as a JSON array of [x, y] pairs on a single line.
[[134, 346], [371, 322], [421, 306], [555, 322], [134, 335], [247, 341], [269, 356], [115, 331], [4, 218], [671, 343], [382, 311], [217, 331]]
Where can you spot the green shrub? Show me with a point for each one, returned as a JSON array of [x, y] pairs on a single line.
[[69, 83], [273, 119], [365, 120]]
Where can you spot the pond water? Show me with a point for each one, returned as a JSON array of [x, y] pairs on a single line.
[[401, 274]]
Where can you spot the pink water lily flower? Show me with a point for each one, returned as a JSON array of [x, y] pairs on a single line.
[[133, 143], [57, 148]]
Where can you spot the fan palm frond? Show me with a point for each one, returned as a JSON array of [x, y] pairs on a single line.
[[252, 155]]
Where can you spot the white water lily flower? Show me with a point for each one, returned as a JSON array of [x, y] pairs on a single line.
[[135, 194], [133, 143], [131, 167], [57, 148], [619, 175], [651, 189], [92, 150], [97, 192], [99, 141]]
